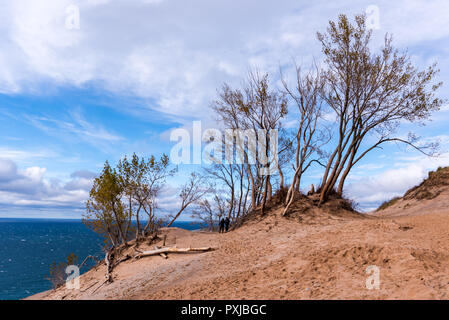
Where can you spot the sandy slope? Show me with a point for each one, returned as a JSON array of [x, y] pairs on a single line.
[[412, 207], [320, 256]]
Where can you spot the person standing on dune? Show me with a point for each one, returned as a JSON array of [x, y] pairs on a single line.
[[227, 222], [222, 225]]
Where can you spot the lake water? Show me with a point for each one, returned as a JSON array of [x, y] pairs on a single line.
[[29, 246]]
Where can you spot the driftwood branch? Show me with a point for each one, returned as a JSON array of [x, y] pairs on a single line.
[[102, 284], [86, 259], [89, 287], [172, 250], [163, 255], [158, 251]]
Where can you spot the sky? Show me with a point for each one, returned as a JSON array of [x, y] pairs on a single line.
[[86, 81]]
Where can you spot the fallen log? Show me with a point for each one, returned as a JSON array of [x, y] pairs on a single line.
[[172, 250], [163, 255]]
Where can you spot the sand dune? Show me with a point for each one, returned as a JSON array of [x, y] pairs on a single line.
[[314, 255]]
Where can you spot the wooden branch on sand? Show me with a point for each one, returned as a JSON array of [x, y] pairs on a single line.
[[163, 255], [110, 264], [172, 250]]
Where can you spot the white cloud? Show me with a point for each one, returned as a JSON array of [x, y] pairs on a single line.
[[26, 155], [371, 190], [175, 54], [31, 187], [415, 21], [75, 128], [8, 170]]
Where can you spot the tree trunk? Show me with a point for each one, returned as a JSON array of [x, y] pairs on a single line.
[[253, 187], [290, 201], [281, 177], [328, 184], [177, 215], [298, 148], [264, 199], [290, 192], [137, 223], [231, 207], [119, 226], [241, 194], [346, 172], [270, 190]]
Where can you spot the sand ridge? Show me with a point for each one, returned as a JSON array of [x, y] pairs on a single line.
[[314, 256]]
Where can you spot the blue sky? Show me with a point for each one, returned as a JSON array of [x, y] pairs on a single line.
[[71, 98]]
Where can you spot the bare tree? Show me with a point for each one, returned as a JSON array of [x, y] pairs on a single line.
[[232, 181], [191, 192], [243, 187], [310, 137], [226, 175], [370, 95], [210, 211], [155, 179], [228, 108], [285, 153], [254, 107]]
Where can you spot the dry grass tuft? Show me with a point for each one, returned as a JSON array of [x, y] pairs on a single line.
[[430, 188], [388, 203]]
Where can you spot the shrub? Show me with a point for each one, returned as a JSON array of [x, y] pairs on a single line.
[[280, 195], [388, 203], [57, 275]]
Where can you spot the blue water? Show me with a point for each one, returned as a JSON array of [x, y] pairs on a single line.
[[29, 246]]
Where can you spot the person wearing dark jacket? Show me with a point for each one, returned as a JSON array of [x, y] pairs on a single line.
[[227, 222], [222, 226]]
